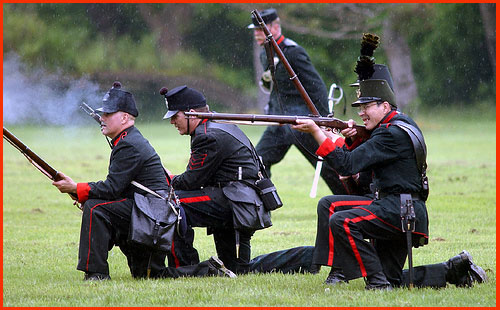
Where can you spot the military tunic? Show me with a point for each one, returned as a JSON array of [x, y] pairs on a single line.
[[107, 204], [390, 155], [217, 158], [277, 140]]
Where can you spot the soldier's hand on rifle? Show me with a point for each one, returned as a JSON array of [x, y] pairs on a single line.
[[309, 126], [65, 184], [265, 82], [350, 131]]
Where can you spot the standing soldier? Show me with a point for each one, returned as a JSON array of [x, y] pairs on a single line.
[[286, 99]]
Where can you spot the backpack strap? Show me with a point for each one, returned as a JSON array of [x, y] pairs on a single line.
[[234, 131], [418, 142]]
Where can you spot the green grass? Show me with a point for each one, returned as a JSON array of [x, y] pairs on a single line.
[[41, 227]]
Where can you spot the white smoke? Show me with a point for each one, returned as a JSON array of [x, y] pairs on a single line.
[[37, 96]]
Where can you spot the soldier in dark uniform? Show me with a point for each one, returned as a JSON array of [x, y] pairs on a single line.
[[389, 153], [286, 99], [219, 162], [107, 205], [327, 206]]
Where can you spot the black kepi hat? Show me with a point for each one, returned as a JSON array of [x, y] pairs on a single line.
[[118, 100], [375, 90], [182, 98], [268, 16]]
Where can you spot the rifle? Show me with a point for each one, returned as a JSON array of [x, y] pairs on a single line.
[[92, 113], [260, 119], [328, 122], [293, 77], [34, 159]]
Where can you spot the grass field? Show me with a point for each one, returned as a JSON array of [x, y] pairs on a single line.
[[41, 226]]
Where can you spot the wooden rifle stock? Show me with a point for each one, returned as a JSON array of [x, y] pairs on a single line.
[[293, 77], [330, 122], [33, 158]]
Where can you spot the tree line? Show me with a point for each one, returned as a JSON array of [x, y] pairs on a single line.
[[439, 54]]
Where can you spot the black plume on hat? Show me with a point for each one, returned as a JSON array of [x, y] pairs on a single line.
[[117, 99], [369, 43], [364, 66]]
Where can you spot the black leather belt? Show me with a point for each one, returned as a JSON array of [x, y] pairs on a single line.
[[217, 184], [414, 195], [223, 184]]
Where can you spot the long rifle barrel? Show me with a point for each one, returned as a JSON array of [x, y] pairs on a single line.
[[280, 119], [91, 112], [293, 77]]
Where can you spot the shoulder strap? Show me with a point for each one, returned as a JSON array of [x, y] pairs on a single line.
[[234, 131], [418, 143], [148, 190]]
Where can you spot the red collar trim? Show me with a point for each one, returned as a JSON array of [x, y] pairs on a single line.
[[280, 39], [122, 135], [388, 118]]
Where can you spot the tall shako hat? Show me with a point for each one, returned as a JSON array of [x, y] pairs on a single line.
[[372, 88], [381, 72], [268, 16], [182, 98], [117, 99]]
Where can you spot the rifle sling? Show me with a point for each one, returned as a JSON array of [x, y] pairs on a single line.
[[240, 136], [418, 142]]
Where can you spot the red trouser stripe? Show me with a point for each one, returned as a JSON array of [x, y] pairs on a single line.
[[333, 205], [176, 259], [351, 240], [195, 199], [90, 227]]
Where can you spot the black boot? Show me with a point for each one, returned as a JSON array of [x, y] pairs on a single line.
[[95, 276], [336, 276], [377, 281], [314, 269], [462, 271]]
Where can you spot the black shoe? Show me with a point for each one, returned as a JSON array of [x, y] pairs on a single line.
[[377, 281], [462, 271], [95, 276], [336, 276], [314, 269], [219, 268]]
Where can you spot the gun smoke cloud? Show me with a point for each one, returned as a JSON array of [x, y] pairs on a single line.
[[35, 96]]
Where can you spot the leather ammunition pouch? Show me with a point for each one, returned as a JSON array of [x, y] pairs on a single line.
[[153, 222], [249, 213]]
